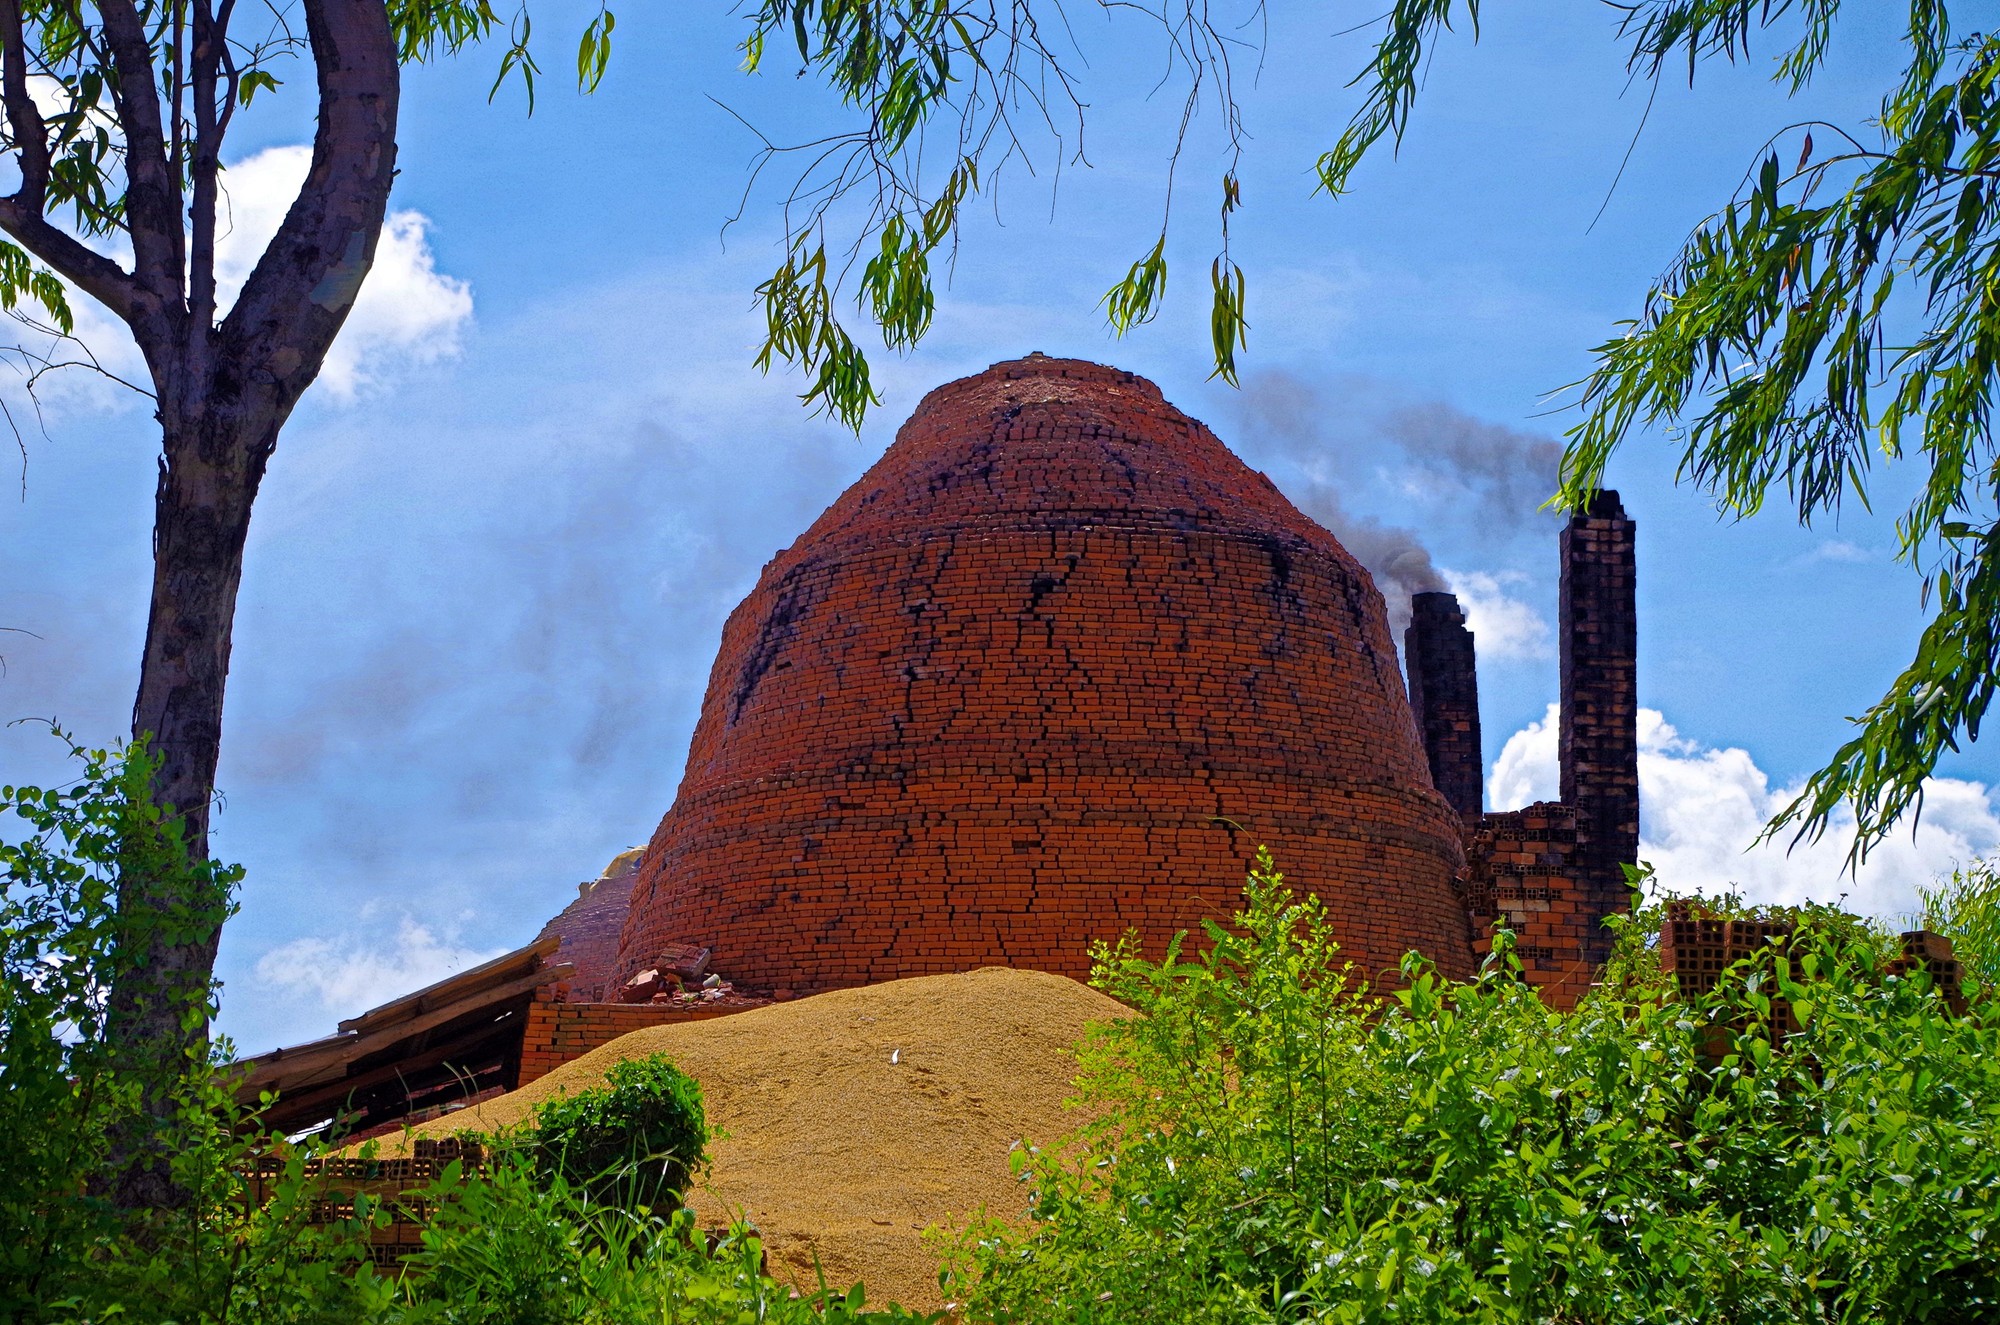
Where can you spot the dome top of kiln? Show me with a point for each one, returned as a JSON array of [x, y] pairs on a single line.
[[1062, 441]]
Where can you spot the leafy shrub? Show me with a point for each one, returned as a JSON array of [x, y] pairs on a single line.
[[65, 1254], [633, 1141], [1277, 1145], [1965, 908], [518, 1246]]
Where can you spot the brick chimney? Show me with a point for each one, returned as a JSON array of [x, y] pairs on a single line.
[[1599, 746], [1444, 698]]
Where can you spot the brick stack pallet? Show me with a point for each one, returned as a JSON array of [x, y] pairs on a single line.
[[1700, 949], [392, 1182]]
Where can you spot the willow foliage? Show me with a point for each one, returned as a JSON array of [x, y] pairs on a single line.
[[1842, 310], [1273, 1145]]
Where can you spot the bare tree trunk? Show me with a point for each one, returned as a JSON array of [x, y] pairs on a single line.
[[209, 475], [225, 390]]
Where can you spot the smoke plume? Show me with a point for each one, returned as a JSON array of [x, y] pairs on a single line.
[[1337, 455]]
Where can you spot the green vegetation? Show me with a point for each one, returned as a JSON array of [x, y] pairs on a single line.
[[1965, 908], [529, 1241], [1277, 1146], [67, 1093], [1273, 1142], [522, 1247], [634, 1140]]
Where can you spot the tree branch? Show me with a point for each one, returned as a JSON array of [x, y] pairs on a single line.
[[153, 198], [24, 117], [302, 288], [22, 213], [210, 41]]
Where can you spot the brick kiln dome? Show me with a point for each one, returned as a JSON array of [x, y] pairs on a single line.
[[1054, 667]]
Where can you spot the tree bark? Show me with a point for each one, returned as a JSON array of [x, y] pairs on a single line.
[[224, 392]]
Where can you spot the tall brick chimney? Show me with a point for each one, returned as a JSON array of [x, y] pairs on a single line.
[[1444, 698], [1599, 746]]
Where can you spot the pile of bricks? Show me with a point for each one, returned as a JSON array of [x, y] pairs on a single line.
[[391, 1182], [1053, 668]]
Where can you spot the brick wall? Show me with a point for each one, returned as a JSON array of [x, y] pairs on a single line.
[[1053, 667], [1521, 872], [1444, 698], [1599, 736], [558, 1031], [590, 927]]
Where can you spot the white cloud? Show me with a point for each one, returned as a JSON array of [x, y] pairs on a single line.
[[1526, 770], [1840, 549], [407, 313], [1837, 550], [1701, 808], [1502, 626], [353, 972]]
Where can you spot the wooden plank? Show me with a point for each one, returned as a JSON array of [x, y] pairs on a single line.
[[336, 1050], [311, 1104], [454, 987], [318, 1068], [332, 1044]]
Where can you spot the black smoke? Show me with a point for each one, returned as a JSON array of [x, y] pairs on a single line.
[[1374, 471]]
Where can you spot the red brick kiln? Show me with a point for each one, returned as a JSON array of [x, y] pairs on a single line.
[[1053, 668]]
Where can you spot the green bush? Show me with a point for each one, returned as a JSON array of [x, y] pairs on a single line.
[[519, 1246], [1275, 1144], [633, 1141], [1965, 908]]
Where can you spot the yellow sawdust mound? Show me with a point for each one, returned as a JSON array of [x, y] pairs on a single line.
[[858, 1118]]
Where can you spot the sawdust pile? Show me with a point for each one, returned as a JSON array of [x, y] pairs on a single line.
[[860, 1117]]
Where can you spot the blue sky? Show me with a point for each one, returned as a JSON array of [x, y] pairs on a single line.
[[490, 564]]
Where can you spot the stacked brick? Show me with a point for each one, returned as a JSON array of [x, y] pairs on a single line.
[[558, 1031], [1520, 875], [1053, 668], [1599, 734], [1444, 698], [391, 1182], [1698, 948], [1931, 954]]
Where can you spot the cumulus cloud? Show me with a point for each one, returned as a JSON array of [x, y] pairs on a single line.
[[407, 312], [349, 973], [1702, 808], [1526, 770], [1503, 626]]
